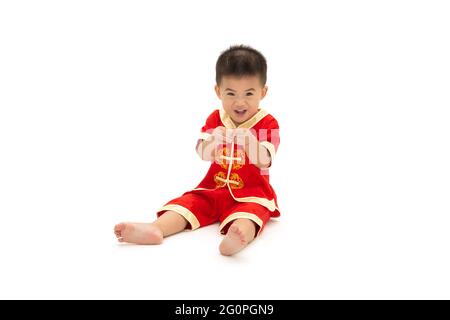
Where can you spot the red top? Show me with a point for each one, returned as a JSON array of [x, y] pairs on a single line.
[[233, 170]]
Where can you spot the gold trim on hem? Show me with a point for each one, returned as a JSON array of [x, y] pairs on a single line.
[[186, 213], [269, 204]]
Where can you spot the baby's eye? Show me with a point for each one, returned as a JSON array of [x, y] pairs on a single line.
[[249, 94], [230, 94]]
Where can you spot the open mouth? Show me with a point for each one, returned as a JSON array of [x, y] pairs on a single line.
[[240, 112]]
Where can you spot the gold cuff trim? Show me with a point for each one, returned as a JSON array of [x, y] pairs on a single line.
[[271, 148], [186, 213], [204, 135], [239, 215]]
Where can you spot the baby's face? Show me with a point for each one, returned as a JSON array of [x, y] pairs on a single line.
[[241, 96]]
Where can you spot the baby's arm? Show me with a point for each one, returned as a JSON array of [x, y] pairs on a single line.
[[206, 148], [256, 152]]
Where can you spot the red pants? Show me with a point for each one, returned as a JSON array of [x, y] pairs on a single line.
[[204, 207]]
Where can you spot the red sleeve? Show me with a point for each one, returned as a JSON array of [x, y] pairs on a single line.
[[269, 134], [212, 122]]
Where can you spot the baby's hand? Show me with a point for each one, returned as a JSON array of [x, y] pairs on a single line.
[[242, 136], [222, 135]]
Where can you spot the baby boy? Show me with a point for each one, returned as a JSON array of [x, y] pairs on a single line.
[[240, 140]]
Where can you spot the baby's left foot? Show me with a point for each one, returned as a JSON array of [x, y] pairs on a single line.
[[139, 233], [234, 241]]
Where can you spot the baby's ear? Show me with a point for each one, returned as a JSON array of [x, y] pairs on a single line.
[[217, 90], [264, 91]]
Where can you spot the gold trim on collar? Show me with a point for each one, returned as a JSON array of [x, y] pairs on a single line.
[[229, 124]]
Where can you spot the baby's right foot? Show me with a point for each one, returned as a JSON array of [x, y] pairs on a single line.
[[139, 233], [233, 242]]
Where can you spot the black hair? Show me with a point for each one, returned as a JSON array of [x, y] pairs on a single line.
[[241, 60]]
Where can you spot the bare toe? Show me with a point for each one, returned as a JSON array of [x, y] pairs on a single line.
[[233, 242], [140, 233], [119, 227]]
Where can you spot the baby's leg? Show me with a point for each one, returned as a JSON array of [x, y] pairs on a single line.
[[239, 235], [151, 233]]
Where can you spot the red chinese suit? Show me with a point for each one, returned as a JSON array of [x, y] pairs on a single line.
[[233, 187]]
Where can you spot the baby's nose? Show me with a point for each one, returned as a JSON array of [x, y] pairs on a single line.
[[240, 102]]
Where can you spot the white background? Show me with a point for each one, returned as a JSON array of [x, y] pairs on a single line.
[[100, 106]]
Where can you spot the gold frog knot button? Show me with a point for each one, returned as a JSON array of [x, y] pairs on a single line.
[[235, 181], [238, 158]]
